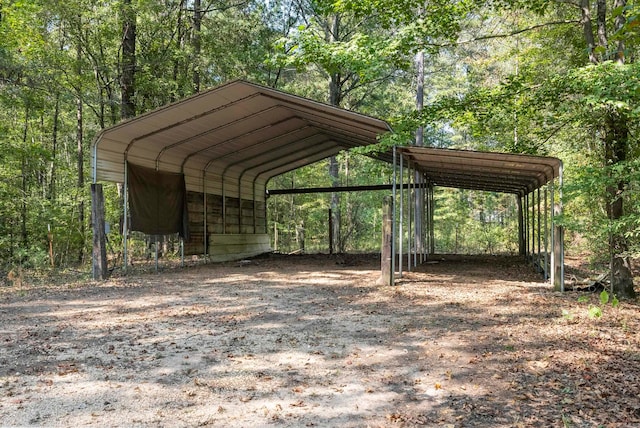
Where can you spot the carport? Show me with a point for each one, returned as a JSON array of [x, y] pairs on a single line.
[[216, 151], [533, 180], [222, 147]]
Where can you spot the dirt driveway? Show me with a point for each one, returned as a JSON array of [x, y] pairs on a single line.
[[303, 341]]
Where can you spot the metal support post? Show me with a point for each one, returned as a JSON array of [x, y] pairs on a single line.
[[546, 234], [538, 234], [393, 212]]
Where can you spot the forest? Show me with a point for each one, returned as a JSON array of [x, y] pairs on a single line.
[[546, 77]]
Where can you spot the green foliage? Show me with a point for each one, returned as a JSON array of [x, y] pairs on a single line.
[[475, 222], [597, 311], [427, 26], [548, 104], [630, 31], [585, 193], [594, 311], [360, 211]]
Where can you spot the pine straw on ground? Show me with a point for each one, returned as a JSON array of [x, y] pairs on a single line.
[[303, 341]]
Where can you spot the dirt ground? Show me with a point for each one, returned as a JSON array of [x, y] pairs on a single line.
[[305, 341]]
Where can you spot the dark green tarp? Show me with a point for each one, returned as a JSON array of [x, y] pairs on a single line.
[[157, 201]]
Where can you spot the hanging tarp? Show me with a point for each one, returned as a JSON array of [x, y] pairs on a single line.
[[157, 201]]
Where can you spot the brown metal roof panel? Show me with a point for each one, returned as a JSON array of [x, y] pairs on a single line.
[[192, 147], [495, 178], [343, 123], [489, 187], [483, 170], [481, 187], [487, 175], [259, 165], [254, 156], [221, 144], [489, 164], [221, 152], [515, 180], [512, 187], [224, 156], [546, 166], [268, 160], [226, 125], [487, 182], [294, 161]]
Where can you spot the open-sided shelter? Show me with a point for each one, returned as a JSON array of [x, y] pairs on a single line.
[[200, 167], [531, 179], [225, 144]]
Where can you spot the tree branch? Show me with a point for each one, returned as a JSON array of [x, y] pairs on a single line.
[[504, 35]]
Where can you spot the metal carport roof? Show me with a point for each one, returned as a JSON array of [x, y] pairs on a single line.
[[488, 171], [237, 135], [242, 134]]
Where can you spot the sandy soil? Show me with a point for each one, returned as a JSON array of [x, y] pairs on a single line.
[[303, 341]]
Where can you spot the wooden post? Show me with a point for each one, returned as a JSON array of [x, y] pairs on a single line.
[[50, 237], [557, 241], [546, 233], [386, 255], [526, 226], [330, 231], [432, 232], [100, 268], [275, 236]]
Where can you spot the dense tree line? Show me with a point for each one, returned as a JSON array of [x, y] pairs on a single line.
[[549, 77]]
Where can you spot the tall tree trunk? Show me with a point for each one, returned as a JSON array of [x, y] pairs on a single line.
[[127, 76], [80, 154], [619, 23], [197, 44], [335, 97], [615, 136], [602, 22], [419, 192], [176, 61], [54, 149], [587, 29], [335, 204], [24, 185]]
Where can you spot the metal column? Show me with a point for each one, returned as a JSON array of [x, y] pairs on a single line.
[[393, 220], [400, 236]]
